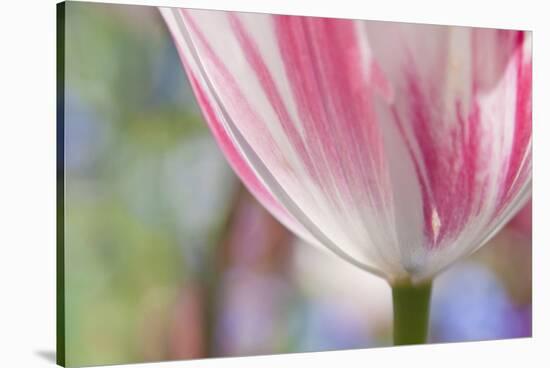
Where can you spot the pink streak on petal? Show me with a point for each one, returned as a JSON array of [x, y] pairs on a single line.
[[311, 109], [523, 128], [381, 84], [449, 196], [453, 165], [265, 78], [329, 81]]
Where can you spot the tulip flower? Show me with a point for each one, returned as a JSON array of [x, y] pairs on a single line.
[[401, 148]]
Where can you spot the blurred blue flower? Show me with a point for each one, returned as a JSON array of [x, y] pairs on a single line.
[[169, 82], [85, 136], [471, 303], [331, 325]]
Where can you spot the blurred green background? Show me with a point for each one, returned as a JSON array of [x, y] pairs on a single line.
[[168, 257]]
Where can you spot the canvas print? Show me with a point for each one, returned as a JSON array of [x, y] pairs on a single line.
[[234, 184]]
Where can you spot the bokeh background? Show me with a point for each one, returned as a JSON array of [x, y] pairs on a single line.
[[168, 257]]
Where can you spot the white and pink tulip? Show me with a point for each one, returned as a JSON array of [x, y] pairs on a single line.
[[399, 147]]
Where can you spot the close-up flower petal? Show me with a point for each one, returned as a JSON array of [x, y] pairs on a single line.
[[399, 147]]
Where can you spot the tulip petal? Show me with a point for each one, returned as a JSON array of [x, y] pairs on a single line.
[[462, 99], [348, 130]]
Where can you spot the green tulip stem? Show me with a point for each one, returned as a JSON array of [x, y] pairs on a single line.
[[411, 312]]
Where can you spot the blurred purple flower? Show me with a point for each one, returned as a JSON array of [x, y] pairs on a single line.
[[486, 313]]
